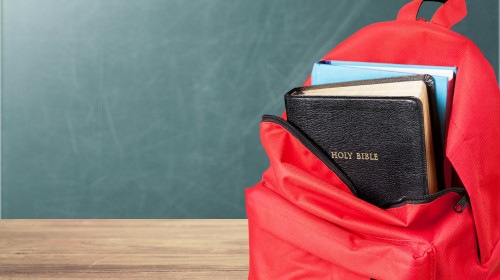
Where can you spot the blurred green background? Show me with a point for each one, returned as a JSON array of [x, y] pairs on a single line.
[[150, 109]]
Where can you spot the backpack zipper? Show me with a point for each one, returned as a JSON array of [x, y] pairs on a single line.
[[462, 203]]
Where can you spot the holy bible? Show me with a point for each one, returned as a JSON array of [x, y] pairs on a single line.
[[379, 132]]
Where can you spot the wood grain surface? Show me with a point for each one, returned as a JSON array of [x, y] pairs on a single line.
[[125, 249]]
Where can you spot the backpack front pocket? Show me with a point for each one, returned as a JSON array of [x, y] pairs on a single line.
[[306, 222]]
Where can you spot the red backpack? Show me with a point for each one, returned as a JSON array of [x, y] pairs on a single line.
[[305, 223]]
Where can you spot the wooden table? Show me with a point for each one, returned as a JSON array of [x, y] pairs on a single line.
[[124, 249]]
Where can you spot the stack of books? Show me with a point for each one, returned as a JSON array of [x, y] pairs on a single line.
[[383, 125]]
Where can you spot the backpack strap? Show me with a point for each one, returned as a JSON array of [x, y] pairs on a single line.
[[451, 12]]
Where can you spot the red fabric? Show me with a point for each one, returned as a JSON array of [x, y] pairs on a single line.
[[304, 223]]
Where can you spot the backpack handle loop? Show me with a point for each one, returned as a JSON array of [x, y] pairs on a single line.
[[451, 12]]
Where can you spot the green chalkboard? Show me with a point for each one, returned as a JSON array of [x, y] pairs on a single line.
[[151, 108]]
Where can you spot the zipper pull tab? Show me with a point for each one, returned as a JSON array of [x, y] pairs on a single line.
[[462, 203]]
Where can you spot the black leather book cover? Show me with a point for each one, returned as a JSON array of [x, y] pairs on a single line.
[[377, 141]]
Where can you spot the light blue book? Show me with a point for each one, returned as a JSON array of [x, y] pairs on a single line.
[[325, 72], [444, 70]]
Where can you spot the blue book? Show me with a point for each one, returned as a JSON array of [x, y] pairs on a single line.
[[325, 72]]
